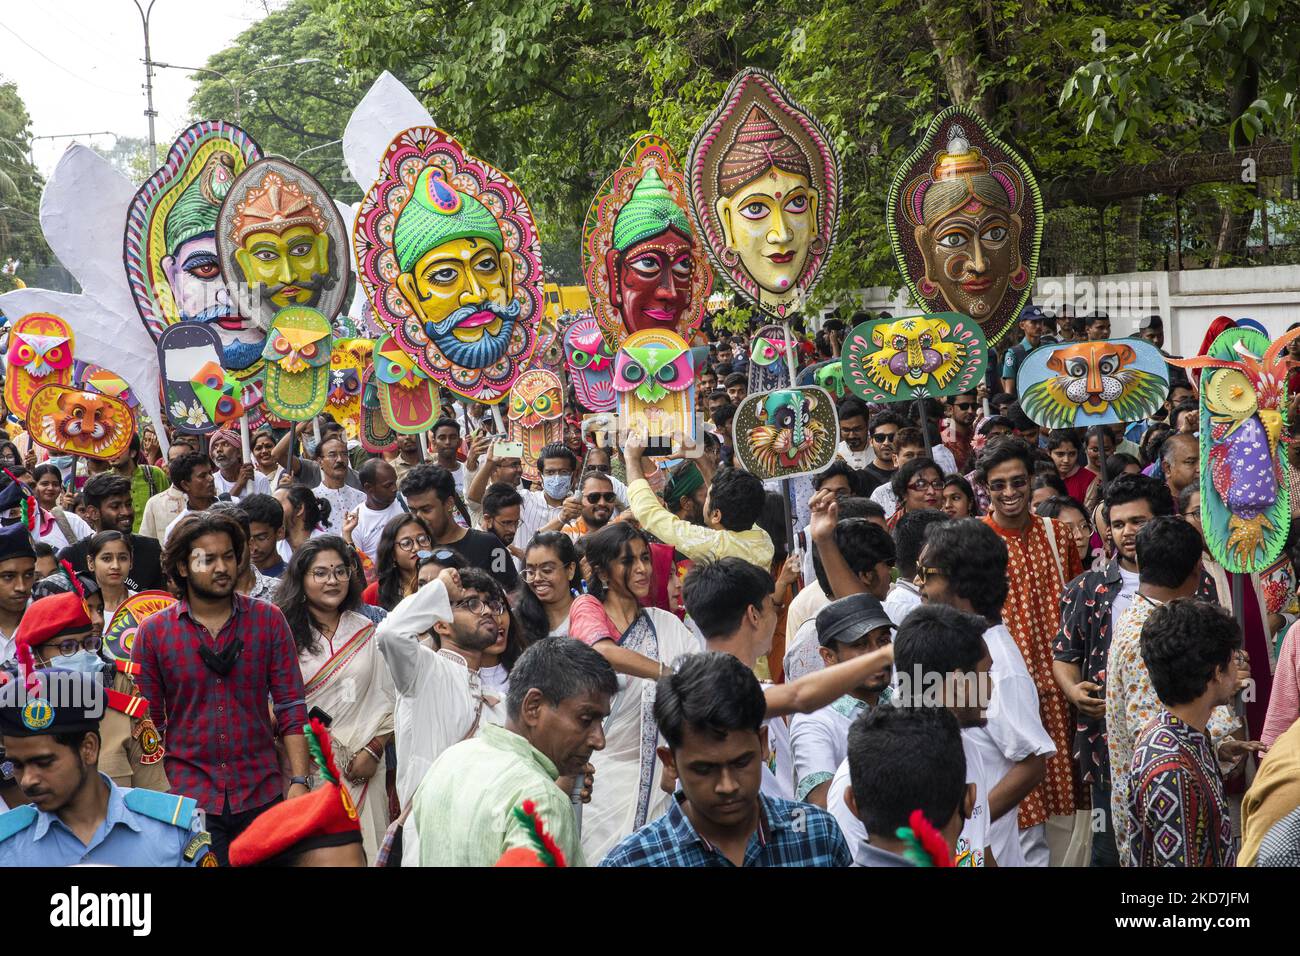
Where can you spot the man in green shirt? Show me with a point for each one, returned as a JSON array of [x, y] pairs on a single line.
[[560, 691], [146, 480]]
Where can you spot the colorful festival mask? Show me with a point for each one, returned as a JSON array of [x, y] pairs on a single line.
[[449, 258], [95, 378], [1082, 384], [282, 242], [918, 356], [590, 362], [536, 414], [549, 353], [644, 266], [40, 353], [119, 634], [654, 376], [343, 403], [407, 398], [72, 422], [831, 377], [199, 395], [377, 436], [965, 219], [769, 365], [765, 193], [789, 432], [297, 355], [1245, 497], [172, 264]]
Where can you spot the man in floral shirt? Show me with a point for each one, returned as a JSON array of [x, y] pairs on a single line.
[[1168, 551]]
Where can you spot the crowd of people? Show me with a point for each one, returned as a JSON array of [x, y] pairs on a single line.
[[968, 641]]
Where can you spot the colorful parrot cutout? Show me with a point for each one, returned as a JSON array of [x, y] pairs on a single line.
[[916, 356], [1245, 475], [590, 362], [654, 376], [536, 414], [39, 354], [769, 365], [297, 355], [73, 422], [1081, 384], [199, 394], [787, 432], [408, 399]]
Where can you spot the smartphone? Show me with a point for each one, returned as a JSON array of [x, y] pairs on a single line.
[[318, 714]]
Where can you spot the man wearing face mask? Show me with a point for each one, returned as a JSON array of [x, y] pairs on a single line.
[[552, 506], [63, 633]]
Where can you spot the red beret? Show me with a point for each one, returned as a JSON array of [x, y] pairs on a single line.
[[324, 817], [51, 617]]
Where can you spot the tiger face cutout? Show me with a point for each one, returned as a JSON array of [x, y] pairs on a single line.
[[72, 422]]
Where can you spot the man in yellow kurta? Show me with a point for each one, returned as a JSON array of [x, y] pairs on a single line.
[[730, 515]]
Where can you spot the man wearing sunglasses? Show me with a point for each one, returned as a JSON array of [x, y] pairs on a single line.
[[885, 427], [597, 496], [960, 428]]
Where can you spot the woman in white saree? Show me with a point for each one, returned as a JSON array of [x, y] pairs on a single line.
[[626, 792], [343, 672]]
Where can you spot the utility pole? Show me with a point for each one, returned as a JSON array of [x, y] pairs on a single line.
[[148, 79]]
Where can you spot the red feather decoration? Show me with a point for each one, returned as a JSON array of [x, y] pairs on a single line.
[[933, 844], [539, 830], [326, 747]]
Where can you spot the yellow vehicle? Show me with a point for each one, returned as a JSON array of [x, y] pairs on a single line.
[[565, 298]]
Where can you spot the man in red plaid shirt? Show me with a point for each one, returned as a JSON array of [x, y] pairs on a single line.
[[208, 666]]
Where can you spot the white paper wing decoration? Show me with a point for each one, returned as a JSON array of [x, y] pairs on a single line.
[[387, 109]]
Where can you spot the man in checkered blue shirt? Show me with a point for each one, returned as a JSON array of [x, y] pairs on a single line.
[[711, 714]]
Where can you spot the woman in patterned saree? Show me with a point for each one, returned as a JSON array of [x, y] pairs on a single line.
[[640, 641], [343, 672]]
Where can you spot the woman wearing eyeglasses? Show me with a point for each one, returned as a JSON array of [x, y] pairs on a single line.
[[642, 643], [917, 484], [401, 545], [343, 673], [109, 557], [549, 578]]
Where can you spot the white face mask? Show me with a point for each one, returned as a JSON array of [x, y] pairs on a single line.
[[556, 486], [82, 662]]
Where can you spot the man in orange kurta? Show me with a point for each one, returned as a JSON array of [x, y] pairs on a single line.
[[1041, 560]]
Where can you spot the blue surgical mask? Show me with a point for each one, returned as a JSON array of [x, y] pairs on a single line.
[[556, 486], [82, 662], [62, 462]]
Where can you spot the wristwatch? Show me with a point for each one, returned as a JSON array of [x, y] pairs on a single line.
[[300, 781]]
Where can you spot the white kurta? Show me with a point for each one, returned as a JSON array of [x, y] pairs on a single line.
[[625, 792], [346, 678]]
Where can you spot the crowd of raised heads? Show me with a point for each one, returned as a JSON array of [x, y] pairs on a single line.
[[966, 641]]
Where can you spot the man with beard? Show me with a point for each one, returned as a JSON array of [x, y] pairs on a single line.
[[597, 496], [191, 474], [960, 429], [208, 665], [440, 697], [560, 692], [232, 475], [1041, 559], [501, 507], [109, 508], [77, 815], [455, 274], [146, 480], [430, 493], [846, 629], [193, 268]]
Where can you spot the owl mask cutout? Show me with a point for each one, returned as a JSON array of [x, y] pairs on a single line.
[[408, 399], [297, 355], [590, 364], [536, 414], [654, 376], [72, 422], [40, 353]]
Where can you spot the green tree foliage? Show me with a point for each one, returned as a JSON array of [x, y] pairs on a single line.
[[20, 188]]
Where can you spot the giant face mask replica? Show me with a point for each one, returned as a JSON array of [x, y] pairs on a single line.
[[297, 358], [1092, 383], [764, 189], [917, 356], [654, 376], [590, 362], [39, 354], [449, 258], [643, 265], [171, 256], [72, 422], [282, 242], [966, 223], [786, 433], [536, 414], [1245, 496]]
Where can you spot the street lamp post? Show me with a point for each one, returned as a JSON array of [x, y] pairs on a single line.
[[148, 77]]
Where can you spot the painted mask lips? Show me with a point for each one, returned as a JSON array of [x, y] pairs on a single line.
[[661, 315], [975, 286], [781, 257], [235, 323], [472, 328]]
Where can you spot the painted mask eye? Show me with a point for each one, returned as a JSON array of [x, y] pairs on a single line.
[[754, 210], [55, 354], [900, 342], [309, 350], [995, 234], [542, 405], [954, 240], [25, 353], [1108, 365], [281, 345], [633, 372], [797, 204], [580, 359], [667, 375], [520, 406], [1076, 368]]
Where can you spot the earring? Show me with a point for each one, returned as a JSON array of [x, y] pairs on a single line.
[[927, 287]]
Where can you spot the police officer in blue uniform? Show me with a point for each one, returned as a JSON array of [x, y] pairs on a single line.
[[76, 815]]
